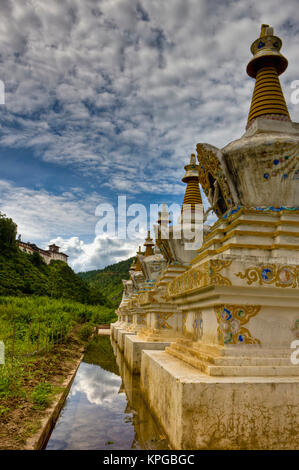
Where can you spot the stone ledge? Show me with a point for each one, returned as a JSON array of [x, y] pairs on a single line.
[[133, 351], [121, 338]]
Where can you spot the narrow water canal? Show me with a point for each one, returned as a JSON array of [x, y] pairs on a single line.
[[105, 409]]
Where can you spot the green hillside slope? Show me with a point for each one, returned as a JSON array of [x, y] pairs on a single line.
[[109, 280], [25, 274]]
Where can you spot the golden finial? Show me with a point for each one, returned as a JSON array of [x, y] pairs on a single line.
[[265, 66], [138, 263], [148, 245], [192, 159], [266, 52], [264, 28], [133, 265]]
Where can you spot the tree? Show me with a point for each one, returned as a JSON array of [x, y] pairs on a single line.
[[37, 260], [96, 297], [8, 233]]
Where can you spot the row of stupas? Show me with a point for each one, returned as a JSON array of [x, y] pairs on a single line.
[[211, 330]]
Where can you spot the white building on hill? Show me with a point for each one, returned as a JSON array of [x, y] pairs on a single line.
[[47, 255]]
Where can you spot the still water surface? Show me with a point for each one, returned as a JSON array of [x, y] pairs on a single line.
[[105, 409]]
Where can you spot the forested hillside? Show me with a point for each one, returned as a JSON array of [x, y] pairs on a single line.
[[25, 274], [109, 280]]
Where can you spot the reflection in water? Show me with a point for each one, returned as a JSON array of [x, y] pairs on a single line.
[[103, 409]]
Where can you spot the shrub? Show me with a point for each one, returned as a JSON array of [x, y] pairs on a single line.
[[41, 395], [85, 332], [37, 260], [10, 379]]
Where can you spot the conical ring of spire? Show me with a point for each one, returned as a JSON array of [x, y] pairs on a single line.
[[266, 66], [192, 194]]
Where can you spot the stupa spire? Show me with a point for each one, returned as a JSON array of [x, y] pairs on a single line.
[[133, 265], [138, 266], [192, 194], [266, 66], [149, 245]]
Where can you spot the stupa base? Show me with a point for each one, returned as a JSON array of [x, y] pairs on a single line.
[[198, 411], [116, 330], [133, 350], [121, 338]]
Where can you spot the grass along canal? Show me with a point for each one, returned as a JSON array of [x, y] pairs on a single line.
[[105, 410]]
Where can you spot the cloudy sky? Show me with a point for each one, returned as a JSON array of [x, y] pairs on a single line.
[[109, 97]]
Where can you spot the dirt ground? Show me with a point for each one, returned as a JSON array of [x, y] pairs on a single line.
[[23, 418]]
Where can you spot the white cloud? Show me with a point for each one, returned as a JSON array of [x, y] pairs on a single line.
[[41, 215], [157, 85], [124, 89], [69, 220], [101, 252], [99, 386]]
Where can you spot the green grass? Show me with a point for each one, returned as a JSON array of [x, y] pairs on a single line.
[[11, 379], [32, 323], [35, 325], [41, 395]]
